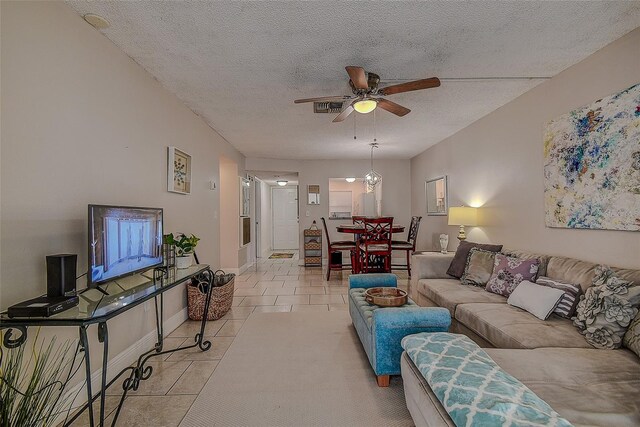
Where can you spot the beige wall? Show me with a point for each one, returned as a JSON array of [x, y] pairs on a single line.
[[83, 123], [229, 214], [498, 162], [396, 180]]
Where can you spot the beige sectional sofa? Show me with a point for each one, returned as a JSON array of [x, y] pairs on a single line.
[[585, 385]]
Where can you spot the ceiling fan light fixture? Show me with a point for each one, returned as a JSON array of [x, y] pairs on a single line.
[[365, 106], [282, 182]]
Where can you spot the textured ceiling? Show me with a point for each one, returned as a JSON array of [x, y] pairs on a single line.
[[240, 65]]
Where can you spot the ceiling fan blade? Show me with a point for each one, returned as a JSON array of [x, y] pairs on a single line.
[[345, 113], [410, 86], [392, 107], [358, 77], [323, 99]]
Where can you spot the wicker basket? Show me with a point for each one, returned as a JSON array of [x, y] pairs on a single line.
[[221, 296]]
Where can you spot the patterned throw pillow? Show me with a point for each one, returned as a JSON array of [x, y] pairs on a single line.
[[479, 267], [606, 309], [567, 306], [632, 337], [456, 268], [508, 272]]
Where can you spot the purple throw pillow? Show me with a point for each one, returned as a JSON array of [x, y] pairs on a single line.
[[508, 272]]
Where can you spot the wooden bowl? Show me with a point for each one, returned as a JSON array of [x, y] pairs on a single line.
[[386, 297]]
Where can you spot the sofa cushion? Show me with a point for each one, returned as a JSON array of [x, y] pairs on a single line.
[[456, 269], [583, 272], [448, 293], [569, 302], [586, 386], [474, 390], [479, 267], [607, 308], [508, 272], [536, 299], [632, 337], [505, 326], [516, 253]]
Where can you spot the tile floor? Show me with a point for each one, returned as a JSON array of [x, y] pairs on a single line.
[[272, 285]]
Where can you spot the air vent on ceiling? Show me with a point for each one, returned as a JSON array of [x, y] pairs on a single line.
[[327, 107]]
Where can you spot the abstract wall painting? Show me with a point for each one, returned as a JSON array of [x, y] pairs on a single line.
[[592, 165]]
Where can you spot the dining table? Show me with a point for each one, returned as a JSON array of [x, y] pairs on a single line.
[[357, 230]]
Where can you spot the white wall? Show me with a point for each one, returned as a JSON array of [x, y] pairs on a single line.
[[266, 224], [498, 162], [396, 181], [83, 123]]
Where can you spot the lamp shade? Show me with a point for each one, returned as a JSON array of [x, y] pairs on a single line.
[[463, 215]]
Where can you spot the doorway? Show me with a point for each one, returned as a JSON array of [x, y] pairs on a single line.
[[284, 202]]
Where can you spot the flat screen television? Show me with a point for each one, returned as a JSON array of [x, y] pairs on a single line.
[[123, 240]]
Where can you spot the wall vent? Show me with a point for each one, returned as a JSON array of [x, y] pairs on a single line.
[[327, 107]]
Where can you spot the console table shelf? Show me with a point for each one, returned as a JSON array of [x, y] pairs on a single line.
[[96, 307]]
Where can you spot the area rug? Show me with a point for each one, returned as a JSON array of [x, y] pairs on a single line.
[[297, 369], [277, 255]]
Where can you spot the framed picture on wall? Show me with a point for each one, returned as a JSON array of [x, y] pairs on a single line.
[[313, 192], [178, 171], [436, 192]]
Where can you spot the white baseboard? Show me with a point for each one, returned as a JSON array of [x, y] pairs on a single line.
[[239, 271], [124, 359]]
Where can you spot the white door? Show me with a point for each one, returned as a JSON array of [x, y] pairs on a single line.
[[284, 203]]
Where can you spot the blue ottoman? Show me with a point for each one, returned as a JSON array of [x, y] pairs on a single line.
[[381, 329]]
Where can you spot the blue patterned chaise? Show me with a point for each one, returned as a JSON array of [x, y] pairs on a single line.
[[381, 329]]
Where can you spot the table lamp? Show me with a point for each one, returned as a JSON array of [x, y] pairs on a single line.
[[463, 215]]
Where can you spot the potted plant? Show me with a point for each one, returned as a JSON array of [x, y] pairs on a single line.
[[33, 383], [184, 248]]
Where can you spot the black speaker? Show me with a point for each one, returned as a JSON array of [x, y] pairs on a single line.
[[61, 275]]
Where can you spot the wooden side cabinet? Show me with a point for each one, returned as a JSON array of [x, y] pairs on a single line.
[[312, 248]]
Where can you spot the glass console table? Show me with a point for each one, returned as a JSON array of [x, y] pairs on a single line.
[[97, 306]]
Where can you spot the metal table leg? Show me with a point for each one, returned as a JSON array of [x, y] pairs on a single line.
[[84, 343], [103, 337]]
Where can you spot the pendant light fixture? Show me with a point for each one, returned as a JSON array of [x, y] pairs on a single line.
[[372, 178]]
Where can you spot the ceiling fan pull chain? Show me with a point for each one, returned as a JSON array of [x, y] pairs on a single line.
[[374, 127], [354, 127]]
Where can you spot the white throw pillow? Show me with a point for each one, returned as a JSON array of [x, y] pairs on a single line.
[[536, 299]]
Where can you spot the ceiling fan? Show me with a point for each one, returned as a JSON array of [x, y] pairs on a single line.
[[367, 96]]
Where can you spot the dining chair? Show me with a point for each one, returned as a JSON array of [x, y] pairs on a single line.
[[409, 245], [338, 247], [358, 220], [375, 245]]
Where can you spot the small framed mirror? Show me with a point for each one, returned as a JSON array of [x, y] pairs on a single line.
[[436, 191], [313, 194]]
